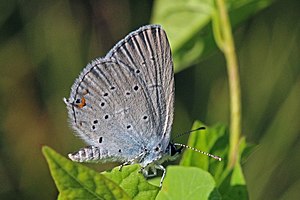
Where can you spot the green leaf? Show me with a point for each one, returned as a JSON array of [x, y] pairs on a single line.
[[213, 140], [234, 187], [188, 183], [75, 181], [133, 182], [188, 25], [237, 176], [182, 21]]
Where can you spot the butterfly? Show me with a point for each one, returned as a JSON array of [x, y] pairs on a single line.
[[122, 105]]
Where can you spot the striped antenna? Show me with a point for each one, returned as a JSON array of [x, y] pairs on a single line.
[[197, 150], [188, 132]]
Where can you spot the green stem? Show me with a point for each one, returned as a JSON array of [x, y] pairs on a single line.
[[223, 35]]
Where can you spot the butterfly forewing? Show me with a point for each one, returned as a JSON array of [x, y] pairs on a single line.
[[147, 52]]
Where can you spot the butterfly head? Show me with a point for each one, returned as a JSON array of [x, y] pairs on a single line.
[[173, 151]]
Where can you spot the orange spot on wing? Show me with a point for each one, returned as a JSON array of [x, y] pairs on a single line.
[[82, 103]]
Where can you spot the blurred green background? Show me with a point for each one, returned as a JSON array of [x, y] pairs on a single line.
[[45, 44]]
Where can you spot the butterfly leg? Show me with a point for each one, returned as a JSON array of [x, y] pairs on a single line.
[[131, 161], [142, 170], [163, 175], [146, 172], [123, 164]]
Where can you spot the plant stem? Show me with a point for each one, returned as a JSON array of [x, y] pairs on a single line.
[[227, 46]]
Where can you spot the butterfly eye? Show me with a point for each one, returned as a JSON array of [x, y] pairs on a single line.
[[174, 150]]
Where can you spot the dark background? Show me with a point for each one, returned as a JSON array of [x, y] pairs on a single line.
[[45, 44]]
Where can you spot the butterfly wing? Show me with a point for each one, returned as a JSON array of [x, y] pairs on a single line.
[[124, 101], [147, 52]]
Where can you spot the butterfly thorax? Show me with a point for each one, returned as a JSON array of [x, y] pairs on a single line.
[[157, 155]]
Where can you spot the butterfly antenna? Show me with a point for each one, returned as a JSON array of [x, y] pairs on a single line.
[[197, 150], [188, 132]]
